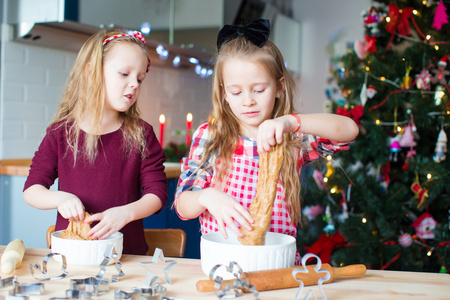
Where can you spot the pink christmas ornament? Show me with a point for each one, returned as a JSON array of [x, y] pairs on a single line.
[[407, 139], [394, 149], [361, 49], [440, 16], [318, 178], [405, 240], [312, 211]]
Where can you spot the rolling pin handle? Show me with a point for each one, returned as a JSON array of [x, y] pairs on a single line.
[[352, 270]]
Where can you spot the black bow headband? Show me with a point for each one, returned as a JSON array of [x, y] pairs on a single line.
[[257, 32]]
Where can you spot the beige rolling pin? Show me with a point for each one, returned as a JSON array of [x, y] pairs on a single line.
[[12, 256], [282, 278]]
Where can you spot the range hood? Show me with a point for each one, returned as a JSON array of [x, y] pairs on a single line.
[[44, 23], [66, 35], [70, 36]]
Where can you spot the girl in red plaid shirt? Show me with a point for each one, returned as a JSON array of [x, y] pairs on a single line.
[[253, 96]]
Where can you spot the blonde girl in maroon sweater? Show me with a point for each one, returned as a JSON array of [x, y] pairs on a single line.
[[107, 160]]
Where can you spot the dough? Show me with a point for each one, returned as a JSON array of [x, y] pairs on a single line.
[[77, 230], [266, 189]]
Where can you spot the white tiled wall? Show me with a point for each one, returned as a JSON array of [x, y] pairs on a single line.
[[33, 81]]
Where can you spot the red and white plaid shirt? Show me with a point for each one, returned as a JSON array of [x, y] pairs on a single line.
[[242, 179]]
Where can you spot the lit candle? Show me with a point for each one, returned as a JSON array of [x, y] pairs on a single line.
[[162, 123], [188, 129]]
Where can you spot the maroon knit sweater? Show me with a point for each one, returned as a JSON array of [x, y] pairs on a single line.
[[114, 179]]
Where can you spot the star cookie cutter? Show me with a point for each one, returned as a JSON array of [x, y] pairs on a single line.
[[158, 256], [239, 286], [43, 270], [155, 292], [305, 270]]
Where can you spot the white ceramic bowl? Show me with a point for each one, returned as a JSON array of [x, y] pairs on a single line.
[[278, 252], [85, 253]]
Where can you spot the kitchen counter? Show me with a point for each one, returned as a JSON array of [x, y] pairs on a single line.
[[20, 167], [374, 284]]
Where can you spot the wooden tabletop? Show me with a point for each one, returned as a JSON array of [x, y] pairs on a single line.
[[20, 167], [184, 276]]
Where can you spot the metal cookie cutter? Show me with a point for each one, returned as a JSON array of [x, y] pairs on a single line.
[[240, 284], [93, 285], [158, 255], [110, 253], [74, 294], [6, 282], [44, 267], [155, 292], [26, 289], [305, 270]]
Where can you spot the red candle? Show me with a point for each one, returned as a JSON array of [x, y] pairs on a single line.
[[162, 123], [188, 129]]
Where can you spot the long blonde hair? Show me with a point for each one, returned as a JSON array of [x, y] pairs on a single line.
[[225, 127], [84, 98]]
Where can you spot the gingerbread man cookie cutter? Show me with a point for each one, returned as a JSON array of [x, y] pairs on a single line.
[[305, 270]]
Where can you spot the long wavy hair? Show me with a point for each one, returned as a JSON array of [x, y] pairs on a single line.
[[225, 127], [84, 98]]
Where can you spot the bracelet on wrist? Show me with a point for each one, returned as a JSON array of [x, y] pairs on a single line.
[[298, 122]]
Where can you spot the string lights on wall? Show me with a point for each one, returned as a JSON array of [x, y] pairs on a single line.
[[179, 57]]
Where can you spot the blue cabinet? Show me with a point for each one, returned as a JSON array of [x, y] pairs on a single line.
[[168, 218]]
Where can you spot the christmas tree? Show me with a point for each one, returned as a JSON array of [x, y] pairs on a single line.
[[385, 202]]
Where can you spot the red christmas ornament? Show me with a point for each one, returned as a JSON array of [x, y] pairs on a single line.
[[326, 244], [355, 113]]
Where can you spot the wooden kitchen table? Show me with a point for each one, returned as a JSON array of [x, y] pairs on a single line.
[[184, 276]]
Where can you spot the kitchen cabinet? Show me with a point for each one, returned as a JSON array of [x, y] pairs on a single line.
[[18, 219]]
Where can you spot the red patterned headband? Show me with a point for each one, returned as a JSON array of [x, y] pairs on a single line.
[[135, 34]]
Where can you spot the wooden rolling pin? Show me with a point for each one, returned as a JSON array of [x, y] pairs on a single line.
[[12, 256], [282, 278]]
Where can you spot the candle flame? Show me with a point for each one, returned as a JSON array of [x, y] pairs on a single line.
[[189, 117], [162, 119]]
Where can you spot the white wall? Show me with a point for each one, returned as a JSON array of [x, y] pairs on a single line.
[[320, 19]]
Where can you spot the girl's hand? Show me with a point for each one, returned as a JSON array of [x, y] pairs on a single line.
[[270, 132], [110, 221], [70, 206], [225, 209]]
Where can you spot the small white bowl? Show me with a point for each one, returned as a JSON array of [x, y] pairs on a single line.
[[85, 253], [278, 252]]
